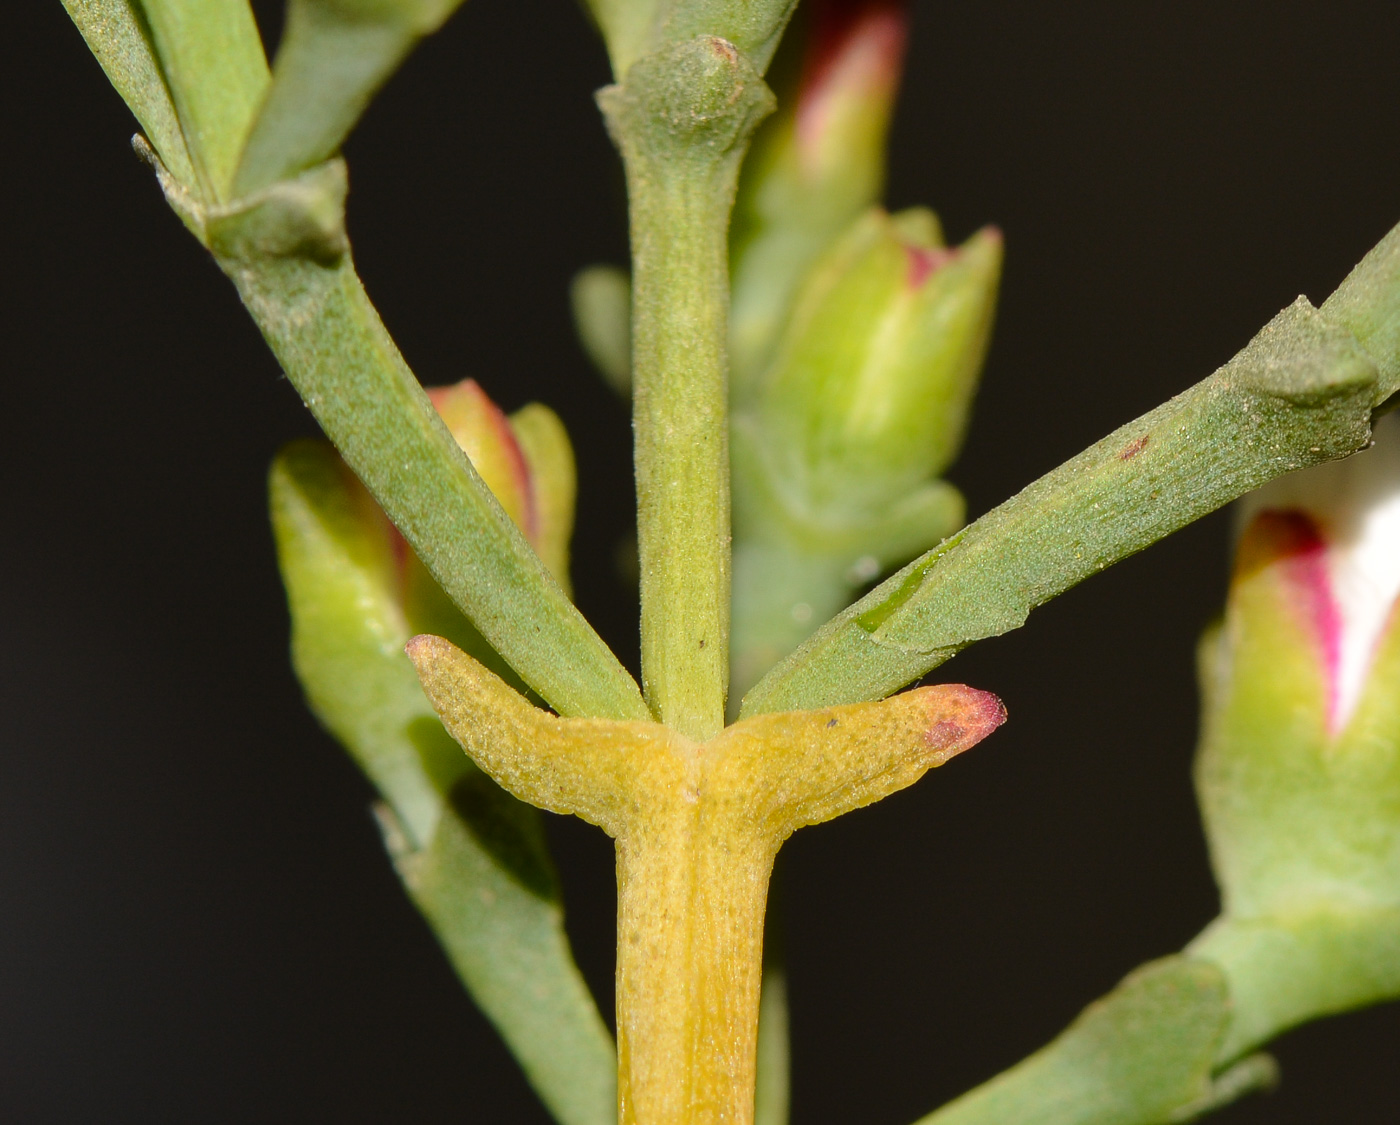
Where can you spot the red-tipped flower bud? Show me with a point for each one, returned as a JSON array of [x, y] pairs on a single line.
[[868, 395], [1300, 764], [815, 166], [525, 460]]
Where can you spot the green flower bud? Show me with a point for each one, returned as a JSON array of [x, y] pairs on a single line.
[[814, 166], [866, 401], [1299, 767], [868, 396], [1300, 764]]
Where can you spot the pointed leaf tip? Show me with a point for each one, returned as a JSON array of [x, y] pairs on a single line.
[[959, 718]]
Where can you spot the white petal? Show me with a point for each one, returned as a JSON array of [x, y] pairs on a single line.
[[1356, 505]]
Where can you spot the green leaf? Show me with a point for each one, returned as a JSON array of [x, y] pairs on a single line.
[[1301, 393], [333, 58], [1142, 1055], [482, 887], [473, 858], [213, 60], [294, 275], [118, 36]]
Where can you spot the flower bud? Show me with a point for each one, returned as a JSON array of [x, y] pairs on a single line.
[[525, 460], [869, 393], [815, 166], [864, 403], [1299, 772], [357, 592]]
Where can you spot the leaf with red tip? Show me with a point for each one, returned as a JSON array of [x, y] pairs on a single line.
[[770, 775]]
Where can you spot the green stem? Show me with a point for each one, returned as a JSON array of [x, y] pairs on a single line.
[[682, 120], [680, 373], [1286, 971]]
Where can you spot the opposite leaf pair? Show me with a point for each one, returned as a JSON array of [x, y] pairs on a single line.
[[697, 824], [697, 827]]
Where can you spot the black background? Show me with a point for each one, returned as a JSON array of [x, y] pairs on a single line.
[[197, 922]]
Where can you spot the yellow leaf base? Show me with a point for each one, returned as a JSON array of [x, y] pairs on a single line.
[[697, 826]]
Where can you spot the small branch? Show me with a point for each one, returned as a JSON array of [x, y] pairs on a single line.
[[285, 250], [1300, 394]]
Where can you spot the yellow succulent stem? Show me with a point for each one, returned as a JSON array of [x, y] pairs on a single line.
[[691, 899], [697, 826]]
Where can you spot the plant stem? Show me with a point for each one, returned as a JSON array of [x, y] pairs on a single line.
[[691, 897], [1300, 394], [680, 416], [697, 826], [1289, 970], [682, 120]]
